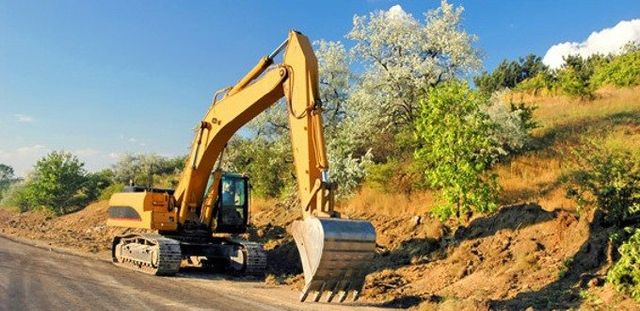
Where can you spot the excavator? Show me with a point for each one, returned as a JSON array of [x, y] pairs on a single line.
[[198, 222]]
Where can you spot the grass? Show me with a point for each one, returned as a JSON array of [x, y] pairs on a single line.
[[388, 204]]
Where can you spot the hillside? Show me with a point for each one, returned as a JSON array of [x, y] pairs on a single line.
[[534, 251]]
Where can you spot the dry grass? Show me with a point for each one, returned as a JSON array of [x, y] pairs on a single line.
[[388, 204]]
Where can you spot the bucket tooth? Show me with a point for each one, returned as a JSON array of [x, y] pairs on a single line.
[[319, 293], [356, 295], [333, 290], [342, 295]]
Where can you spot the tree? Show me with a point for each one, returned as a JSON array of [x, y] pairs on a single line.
[[508, 74], [7, 178], [457, 149], [574, 78], [403, 58], [57, 183], [144, 169], [514, 123]]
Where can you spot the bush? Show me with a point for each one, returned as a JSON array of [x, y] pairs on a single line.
[[457, 149], [621, 71], [543, 81], [58, 183], [143, 169], [514, 123], [625, 274], [395, 176], [608, 180], [107, 192], [268, 163], [15, 196], [574, 79], [508, 74]]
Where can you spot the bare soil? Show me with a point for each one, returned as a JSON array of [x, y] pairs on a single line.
[[521, 256]]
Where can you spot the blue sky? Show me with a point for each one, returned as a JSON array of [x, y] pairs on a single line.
[[104, 78]]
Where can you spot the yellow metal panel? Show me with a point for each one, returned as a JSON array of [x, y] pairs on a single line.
[[142, 210]]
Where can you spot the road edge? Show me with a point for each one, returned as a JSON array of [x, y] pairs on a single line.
[[45, 245]]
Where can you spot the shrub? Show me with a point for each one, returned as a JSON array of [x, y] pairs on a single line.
[[543, 81], [58, 183], [457, 149], [625, 273], [574, 79], [15, 196], [608, 180], [621, 71], [107, 192], [514, 122]]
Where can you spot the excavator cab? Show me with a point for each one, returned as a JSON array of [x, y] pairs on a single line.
[[232, 206]]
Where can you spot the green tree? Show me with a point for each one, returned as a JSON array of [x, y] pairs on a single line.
[[508, 74], [625, 273], [457, 149], [148, 169], [574, 78], [57, 183], [7, 178], [621, 71]]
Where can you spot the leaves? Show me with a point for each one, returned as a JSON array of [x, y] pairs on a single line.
[[607, 180], [457, 149], [625, 273]]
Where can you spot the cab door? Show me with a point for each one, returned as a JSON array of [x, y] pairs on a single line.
[[232, 204]]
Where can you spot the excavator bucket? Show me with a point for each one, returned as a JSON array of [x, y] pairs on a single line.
[[334, 254]]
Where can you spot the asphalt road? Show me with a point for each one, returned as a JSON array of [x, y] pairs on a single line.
[[36, 279]]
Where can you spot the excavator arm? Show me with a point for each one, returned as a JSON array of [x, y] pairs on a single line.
[[297, 80]]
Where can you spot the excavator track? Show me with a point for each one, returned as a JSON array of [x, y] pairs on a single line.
[[255, 261], [147, 253]]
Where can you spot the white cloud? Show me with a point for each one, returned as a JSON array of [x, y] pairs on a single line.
[[396, 12], [605, 41], [132, 140], [23, 118]]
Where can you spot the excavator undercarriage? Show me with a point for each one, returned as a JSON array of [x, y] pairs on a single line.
[[164, 254]]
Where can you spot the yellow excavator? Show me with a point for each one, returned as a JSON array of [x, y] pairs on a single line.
[[195, 223]]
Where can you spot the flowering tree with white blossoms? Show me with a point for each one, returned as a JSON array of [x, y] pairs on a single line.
[[403, 58]]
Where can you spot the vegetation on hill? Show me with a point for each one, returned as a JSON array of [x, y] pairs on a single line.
[[578, 77]]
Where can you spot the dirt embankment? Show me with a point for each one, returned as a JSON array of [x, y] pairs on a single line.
[[85, 230], [521, 256]]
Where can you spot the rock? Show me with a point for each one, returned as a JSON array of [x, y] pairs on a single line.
[[415, 220], [597, 281]]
